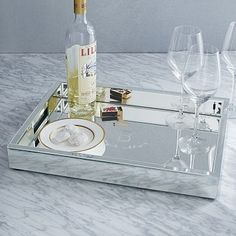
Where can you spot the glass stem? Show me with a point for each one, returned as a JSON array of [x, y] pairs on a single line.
[[233, 93], [192, 159], [177, 153], [181, 109], [197, 105]]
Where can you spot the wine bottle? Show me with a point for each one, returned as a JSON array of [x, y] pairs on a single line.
[[81, 64]]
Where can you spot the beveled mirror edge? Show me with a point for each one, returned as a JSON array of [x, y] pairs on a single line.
[[221, 141]]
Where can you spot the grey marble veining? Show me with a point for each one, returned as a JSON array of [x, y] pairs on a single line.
[[36, 204]]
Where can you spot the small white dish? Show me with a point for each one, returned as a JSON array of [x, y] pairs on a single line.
[[94, 135]]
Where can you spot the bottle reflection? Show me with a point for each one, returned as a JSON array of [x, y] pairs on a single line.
[[76, 115]]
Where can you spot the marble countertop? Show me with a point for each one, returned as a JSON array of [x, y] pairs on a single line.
[[36, 204]]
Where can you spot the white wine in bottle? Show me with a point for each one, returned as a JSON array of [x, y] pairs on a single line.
[[81, 64]]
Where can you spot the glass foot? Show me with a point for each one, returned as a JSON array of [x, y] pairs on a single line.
[[176, 164], [192, 145], [179, 121]]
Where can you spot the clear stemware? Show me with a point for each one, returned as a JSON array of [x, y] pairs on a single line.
[[229, 56], [201, 79], [183, 38]]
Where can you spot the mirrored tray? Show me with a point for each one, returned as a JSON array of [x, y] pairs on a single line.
[[137, 144]]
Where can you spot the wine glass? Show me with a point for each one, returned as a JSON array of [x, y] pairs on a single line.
[[229, 56], [183, 38], [201, 79]]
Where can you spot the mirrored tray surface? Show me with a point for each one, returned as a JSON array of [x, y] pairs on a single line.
[[136, 146]]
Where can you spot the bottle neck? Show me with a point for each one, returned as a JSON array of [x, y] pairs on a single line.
[[80, 18]]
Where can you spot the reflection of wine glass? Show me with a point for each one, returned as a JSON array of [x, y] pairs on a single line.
[[175, 163], [229, 56], [201, 80], [183, 38]]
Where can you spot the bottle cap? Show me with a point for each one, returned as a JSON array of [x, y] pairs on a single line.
[[80, 6]]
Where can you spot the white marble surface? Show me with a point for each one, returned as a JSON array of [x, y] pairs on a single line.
[[36, 205]]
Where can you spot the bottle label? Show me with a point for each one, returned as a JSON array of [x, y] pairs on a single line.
[[81, 73]]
